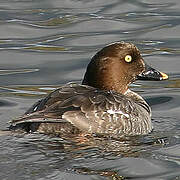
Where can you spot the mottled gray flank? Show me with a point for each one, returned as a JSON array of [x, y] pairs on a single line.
[[92, 110]]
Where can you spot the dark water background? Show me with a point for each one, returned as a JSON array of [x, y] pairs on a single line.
[[45, 43]]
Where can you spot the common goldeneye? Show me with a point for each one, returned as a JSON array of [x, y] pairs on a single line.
[[102, 104]]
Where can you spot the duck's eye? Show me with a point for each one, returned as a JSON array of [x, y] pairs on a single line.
[[128, 58]]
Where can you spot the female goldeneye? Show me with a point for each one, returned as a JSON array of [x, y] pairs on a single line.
[[102, 104]]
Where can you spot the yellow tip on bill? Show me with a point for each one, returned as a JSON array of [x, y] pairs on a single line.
[[164, 76]]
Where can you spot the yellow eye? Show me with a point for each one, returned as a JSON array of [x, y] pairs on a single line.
[[128, 58]]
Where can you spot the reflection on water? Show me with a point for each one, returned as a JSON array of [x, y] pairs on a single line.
[[44, 44], [5, 72]]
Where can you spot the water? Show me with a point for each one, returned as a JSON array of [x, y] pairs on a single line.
[[44, 44]]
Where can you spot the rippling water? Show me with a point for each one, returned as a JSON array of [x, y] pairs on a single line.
[[46, 43]]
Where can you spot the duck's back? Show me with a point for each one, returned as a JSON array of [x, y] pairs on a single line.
[[77, 108]]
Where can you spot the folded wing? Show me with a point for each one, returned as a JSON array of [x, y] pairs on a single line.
[[90, 110]]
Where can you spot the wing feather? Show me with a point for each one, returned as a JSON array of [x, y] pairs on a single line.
[[88, 109]]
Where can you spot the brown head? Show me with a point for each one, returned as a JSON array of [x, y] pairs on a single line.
[[114, 67]]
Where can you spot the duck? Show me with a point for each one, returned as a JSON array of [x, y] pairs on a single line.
[[102, 103]]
